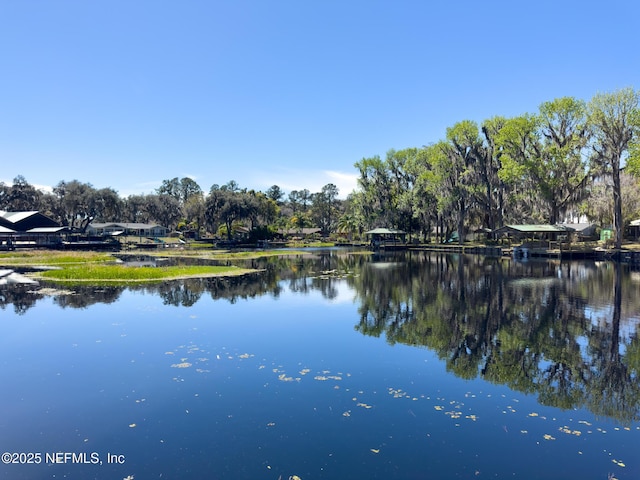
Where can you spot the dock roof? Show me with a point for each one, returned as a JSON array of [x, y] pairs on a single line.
[[534, 228], [385, 231]]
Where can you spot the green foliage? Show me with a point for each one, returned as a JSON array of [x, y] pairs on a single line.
[[529, 168], [48, 257], [19, 196], [516, 141], [275, 193], [324, 208], [300, 221], [261, 233], [614, 119], [633, 161], [124, 274], [388, 195]]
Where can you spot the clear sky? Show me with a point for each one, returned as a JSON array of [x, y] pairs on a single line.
[[126, 93]]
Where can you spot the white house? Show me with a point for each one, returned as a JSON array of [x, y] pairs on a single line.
[[124, 228]]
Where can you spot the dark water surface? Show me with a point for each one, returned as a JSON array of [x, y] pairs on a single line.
[[329, 366]]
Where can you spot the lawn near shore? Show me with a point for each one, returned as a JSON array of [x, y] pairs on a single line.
[[124, 274], [51, 258], [97, 267]]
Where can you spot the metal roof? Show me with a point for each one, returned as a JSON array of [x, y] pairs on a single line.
[[385, 231], [303, 231], [579, 227], [126, 225], [46, 229], [14, 217], [533, 228], [6, 230]]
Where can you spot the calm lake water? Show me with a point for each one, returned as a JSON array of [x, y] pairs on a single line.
[[330, 365]]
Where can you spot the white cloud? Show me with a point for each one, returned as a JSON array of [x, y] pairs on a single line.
[[42, 188], [346, 182]]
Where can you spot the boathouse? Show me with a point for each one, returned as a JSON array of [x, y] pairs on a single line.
[[28, 229], [387, 238], [534, 239], [533, 232]]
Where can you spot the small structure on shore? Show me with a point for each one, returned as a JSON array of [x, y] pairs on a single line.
[[534, 237], [300, 233], [387, 238], [634, 229], [7, 238], [28, 229], [535, 232], [582, 231], [152, 230]]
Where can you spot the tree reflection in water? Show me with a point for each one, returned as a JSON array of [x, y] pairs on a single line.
[[567, 332], [549, 328]]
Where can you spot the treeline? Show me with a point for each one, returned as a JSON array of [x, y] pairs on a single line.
[[570, 159], [181, 204]]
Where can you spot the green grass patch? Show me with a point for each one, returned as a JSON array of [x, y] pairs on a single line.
[[310, 244], [123, 274], [52, 257], [200, 245]]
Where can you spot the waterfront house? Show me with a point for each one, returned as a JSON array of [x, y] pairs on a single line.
[[152, 230]]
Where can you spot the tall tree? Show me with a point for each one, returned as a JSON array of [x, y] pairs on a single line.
[[170, 187], [260, 209], [562, 171], [180, 188], [193, 210], [19, 196], [615, 122], [76, 200], [226, 205], [519, 143], [463, 151], [352, 220], [106, 205], [436, 204], [304, 197], [163, 209], [324, 209], [188, 188], [375, 188], [294, 201], [275, 193], [491, 193], [134, 209], [403, 174]]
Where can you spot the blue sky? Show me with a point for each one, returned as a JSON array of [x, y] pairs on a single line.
[[126, 93]]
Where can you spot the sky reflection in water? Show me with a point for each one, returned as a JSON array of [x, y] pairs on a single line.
[[346, 374]]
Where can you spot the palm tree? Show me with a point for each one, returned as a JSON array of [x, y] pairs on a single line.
[[350, 223]]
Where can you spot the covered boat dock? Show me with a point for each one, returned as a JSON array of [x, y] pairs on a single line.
[[387, 238]]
